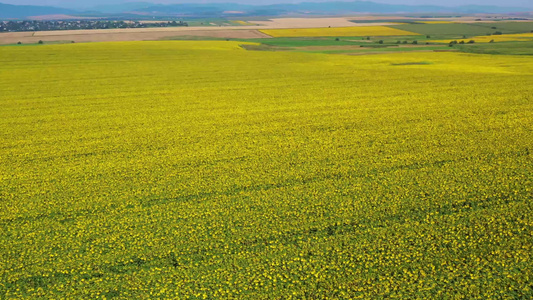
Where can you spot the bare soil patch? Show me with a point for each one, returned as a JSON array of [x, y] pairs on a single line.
[[283, 23], [83, 36]]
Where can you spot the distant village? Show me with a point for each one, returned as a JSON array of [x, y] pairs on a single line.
[[16, 26]]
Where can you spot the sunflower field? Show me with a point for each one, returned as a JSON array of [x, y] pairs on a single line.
[[200, 170]]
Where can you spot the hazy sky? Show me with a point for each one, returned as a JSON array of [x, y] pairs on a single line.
[[88, 3]]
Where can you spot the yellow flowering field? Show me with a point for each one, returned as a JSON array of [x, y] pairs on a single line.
[[496, 38], [337, 31], [199, 170], [239, 22]]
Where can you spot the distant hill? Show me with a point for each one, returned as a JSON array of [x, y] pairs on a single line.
[[121, 8], [315, 8], [8, 11], [227, 9]]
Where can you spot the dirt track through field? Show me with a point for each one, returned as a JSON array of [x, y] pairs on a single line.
[[357, 47], [395, 52]]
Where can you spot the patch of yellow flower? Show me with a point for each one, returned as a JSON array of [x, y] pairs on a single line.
[[239, 22], [338, 31]]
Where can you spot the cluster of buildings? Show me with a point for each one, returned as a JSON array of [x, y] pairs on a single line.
[[14, 26]]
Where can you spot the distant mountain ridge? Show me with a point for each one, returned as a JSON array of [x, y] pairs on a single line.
[[121, 8], [225, 9], [9, 11], [319, 8]]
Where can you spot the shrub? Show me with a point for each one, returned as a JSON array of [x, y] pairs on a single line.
[[497, 33], [19, 43], [415, 42], [471, 41], [461, 42], [41, 42], [380, 42]]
